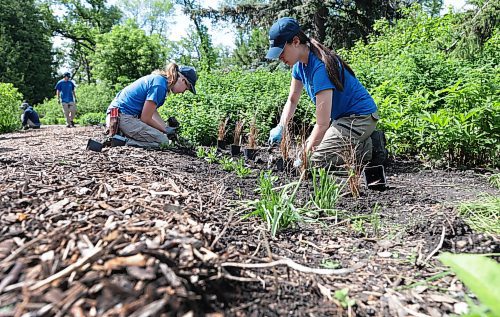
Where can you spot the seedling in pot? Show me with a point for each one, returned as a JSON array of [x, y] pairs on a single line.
[[221, 134], [251, 149], [236, 146]]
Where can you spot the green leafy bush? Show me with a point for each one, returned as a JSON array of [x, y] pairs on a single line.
[[10, 100], [93, 118], [434, 103], [241, 95]]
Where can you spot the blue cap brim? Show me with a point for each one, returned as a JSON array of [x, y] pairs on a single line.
[[274, 52]]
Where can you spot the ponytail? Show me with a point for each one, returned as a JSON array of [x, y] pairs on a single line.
[[170, 72], [331, 59]]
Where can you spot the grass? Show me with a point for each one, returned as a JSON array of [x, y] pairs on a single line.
[[326, 191], [482, 215], [494, 180]]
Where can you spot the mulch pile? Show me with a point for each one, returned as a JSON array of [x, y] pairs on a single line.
[[132, 232]]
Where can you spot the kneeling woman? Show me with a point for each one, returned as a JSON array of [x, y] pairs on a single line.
[[345, 112], [138, 105]]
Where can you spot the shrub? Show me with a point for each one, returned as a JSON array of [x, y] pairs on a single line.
[[93, 118], [10, 100]]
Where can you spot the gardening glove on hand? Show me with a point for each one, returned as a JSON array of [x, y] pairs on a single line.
[[297, 163], [275, 134], [171, 132]]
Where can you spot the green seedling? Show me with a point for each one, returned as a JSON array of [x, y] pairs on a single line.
[[201, 152], [276, 205], [211, 156], [344, 299], [241, 170], [375, 220], [358, 225], [482, 215], [326, 191], [227, 163], [494, 180], [329, 264]]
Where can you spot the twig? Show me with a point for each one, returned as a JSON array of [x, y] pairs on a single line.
[[295, 266], [68, 270], [231, 213], [440, 244]]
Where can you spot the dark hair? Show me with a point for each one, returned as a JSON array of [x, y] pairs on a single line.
[[327, 56]]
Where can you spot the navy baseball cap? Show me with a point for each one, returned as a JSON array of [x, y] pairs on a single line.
[[281, 32], [190, 74]]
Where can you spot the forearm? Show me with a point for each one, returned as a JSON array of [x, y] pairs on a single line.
[[288, 112]]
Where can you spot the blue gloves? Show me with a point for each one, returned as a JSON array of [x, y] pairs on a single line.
[[297, 163], [275, 134]]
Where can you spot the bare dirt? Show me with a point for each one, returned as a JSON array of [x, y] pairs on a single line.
[[134, 232]]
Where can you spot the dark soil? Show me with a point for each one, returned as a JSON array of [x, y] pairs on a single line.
[[134, 232]]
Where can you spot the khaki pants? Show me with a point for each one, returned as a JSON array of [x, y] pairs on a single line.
[[140, 134], [344, 134], [69, 109]]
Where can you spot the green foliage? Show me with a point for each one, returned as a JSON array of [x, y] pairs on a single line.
[[211, 155], [126, 54], [241, 170], [480, 274], [51, 112], [482, 215], [25, 49], [494, 180], [276, 206], [201, 152], [239, 94], [326, 191], [93, 118], [10, 100], [433, 104]]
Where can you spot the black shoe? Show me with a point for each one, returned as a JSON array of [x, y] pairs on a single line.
[[379, 152], [72, 124], [68, 126]]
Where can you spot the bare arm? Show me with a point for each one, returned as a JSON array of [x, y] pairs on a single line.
[[151, 117], [292, 101], [323, 112]]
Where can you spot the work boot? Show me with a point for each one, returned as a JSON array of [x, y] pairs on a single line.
[[379, 152]]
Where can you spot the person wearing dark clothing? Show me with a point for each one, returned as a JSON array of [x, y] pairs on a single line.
[[29, 118]]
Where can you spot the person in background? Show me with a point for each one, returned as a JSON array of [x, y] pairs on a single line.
[[29, 118], [67, 98], [346, 114], [138, 105]]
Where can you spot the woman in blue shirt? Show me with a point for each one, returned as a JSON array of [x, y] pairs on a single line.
[[346, 115], [138, 105]]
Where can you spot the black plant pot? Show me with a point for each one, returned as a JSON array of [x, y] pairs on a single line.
[[250, 153], [235, 149], [93, 145], [221, 144], [375, 177], [118, 140]]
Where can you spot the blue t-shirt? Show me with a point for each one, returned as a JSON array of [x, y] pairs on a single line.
[[66, 90], [354, 99], [31, 114], [131, 99]]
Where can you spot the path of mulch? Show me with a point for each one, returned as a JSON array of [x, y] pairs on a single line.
[[132, 232]]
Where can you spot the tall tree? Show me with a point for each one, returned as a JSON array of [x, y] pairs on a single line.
[[81, 21], [208, 55], [25, 49], [153, 16]]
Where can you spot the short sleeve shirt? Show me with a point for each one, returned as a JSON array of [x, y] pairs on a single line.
[[131, 99], [66, 88], [354, 99]]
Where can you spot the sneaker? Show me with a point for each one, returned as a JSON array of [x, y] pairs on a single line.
[[68, 126], [72, 124], [379, 152]]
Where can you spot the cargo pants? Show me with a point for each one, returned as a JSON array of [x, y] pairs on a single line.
[[140, 134], [69, 109], [344, 135]]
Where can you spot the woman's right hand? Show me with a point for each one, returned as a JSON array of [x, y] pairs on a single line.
[[276, 134]]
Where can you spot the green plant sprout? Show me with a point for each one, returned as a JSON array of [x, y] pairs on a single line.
[[211, 155], [201, 152], [329, 264], [227, 164], [344, 299], [241, 170], [326, 191]]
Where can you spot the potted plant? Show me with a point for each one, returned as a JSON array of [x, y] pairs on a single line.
[[221, 133], [236, 146], [283, 162], [251, 150]]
